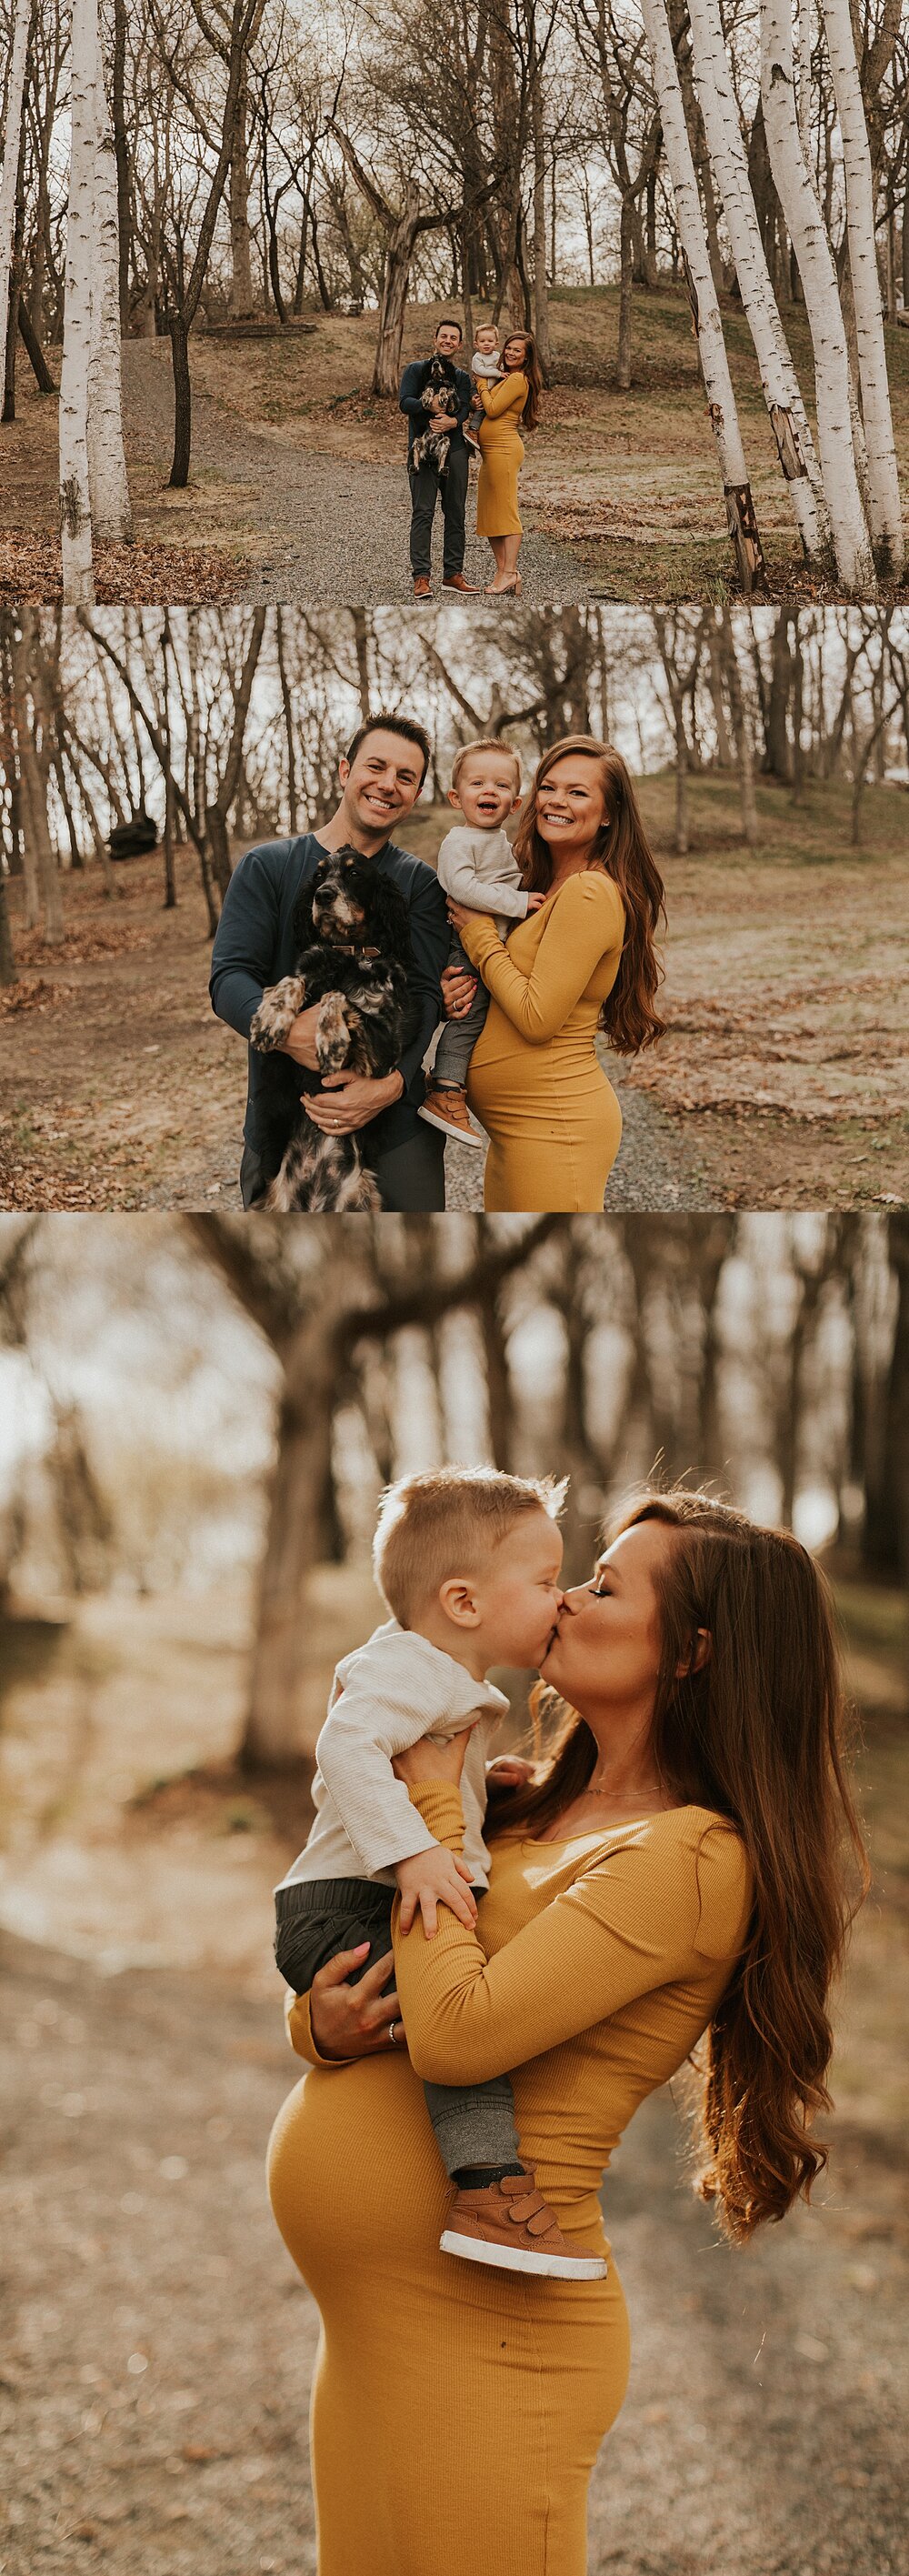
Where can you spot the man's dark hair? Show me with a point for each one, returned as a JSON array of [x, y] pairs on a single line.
[[448, 323], [403, 725]]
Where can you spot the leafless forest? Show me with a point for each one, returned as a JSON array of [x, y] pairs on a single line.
[[249, 164], [224, 727]]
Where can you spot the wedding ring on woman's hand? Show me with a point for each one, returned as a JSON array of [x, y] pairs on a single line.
[[391, 2033]]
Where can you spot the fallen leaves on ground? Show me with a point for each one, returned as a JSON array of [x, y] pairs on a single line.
[[85, 946], [31, 574], [39, 996]]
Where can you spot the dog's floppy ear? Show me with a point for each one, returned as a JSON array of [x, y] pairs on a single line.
[[302, 924], [388, 918]]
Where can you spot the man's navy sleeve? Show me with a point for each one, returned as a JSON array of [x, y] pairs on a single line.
[[411, 397], [430, 939], [246, 939]]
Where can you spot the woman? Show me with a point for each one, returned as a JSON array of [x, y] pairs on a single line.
[[587, 960], [671, 1869], [510, 403]]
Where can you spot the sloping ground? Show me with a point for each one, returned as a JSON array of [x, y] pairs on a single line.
[[297, 472]]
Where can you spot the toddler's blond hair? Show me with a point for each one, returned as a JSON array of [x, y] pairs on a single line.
[[446, 1523], [488, 743]]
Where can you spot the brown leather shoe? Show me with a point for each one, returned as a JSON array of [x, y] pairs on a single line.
[[422, 588], [448, 1110], [509, 2224], [456, 581]]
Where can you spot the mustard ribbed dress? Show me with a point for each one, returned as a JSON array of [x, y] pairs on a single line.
[[457, 2411], [552, 1119], [501, 455]]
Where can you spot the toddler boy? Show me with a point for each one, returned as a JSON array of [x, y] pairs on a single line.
[[477, 866], [468, 1562], [486, 361]]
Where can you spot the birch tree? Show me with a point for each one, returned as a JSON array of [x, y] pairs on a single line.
[[852, 544], [15, 106], [788, 418], [75, 494], [108, 483], [721, 406], [884, 512]]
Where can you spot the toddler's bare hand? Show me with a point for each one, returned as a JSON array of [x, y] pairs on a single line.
[[431, 1878], [535, 902], [508, 1771]]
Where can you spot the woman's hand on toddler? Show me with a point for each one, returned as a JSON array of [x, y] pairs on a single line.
[[354, 2020], [431, 1878], [458, 989]]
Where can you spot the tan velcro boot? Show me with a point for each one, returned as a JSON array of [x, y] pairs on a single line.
[[509, 2224], [447, 1109]]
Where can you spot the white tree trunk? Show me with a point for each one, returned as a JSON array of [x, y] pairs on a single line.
[[11, 134], [884, 512], [705, 309], [722, 126], [804, 26], [108, 485], [75, 500], [851, 539]]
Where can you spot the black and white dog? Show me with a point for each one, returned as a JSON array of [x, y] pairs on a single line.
[[354, 943], [439, 393]]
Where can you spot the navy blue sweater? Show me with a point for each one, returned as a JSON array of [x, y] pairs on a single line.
[[254, 946], [412, 383]]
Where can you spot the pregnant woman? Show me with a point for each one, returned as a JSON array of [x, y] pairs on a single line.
[[587, 960], [509, 404], [671, 1868]]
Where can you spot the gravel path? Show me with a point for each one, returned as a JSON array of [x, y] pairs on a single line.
[[656, 1168], [322, 529], [158, 2345]]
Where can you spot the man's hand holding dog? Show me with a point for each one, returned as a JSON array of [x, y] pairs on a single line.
[[349, 1100], [300, 1041]]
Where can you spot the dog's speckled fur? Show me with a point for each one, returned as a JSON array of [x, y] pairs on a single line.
[[355, 954], [431, 446]]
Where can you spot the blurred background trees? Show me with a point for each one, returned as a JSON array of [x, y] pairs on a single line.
[[208, 1403]]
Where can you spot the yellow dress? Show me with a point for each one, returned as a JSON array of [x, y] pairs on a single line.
[[457, 2410], [501, 456], [553, 1120]]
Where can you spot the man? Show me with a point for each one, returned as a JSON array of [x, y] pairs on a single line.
[[381, 776], [427, 485]]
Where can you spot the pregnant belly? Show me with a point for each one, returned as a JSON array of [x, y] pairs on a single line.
[[450, 2400], [359, 2191], [355, 2177], [561, 1082]]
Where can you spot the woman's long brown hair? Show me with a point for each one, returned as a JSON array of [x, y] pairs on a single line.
[[532, 370], [629, 1015], [757, 1735]]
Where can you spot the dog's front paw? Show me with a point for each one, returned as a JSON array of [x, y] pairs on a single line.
[[332, 1035], [276, 1013]]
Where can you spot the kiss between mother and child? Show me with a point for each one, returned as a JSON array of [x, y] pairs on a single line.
[[346, 964]]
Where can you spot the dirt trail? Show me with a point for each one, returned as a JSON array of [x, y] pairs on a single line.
[[321, 529], [158, 2346], [656, 1168]]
